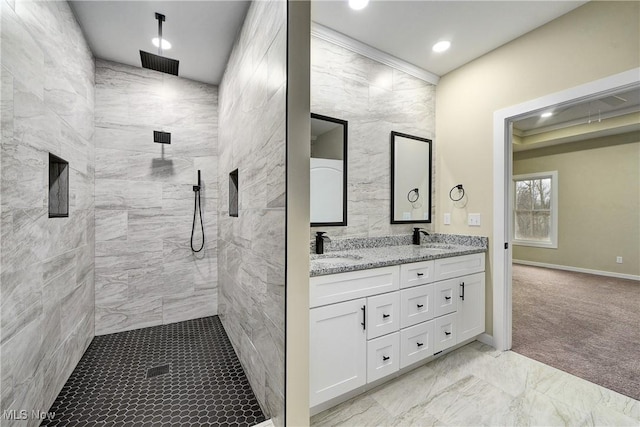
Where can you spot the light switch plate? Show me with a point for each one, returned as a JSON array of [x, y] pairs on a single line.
[[474, 220], [447, 218]]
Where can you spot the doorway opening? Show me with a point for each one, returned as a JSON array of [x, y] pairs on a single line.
[[503, 181]]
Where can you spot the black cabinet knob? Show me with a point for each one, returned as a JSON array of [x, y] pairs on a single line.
[[420, 274], [384, 316], [447, 298], [420, 344], [385, 358], [420, 305], [447, 333]]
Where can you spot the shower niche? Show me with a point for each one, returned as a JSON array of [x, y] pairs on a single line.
[[58, 187]]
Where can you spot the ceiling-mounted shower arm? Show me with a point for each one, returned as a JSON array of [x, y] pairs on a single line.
[[160, 17]]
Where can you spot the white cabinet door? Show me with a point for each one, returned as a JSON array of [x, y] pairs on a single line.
[[338, 349], [448, 268], [446, 297], [445, 332], [416, 343], [340, 287], [383, 314], [470, 306], [383, 356], [416, 273], [416, 305]]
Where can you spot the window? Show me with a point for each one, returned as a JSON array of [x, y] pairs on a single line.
[[535, 210]]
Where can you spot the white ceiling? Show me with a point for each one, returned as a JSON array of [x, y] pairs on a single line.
[[202, 32], [408, 29]]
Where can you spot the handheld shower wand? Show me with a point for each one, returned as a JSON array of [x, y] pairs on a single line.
[[197, 207]]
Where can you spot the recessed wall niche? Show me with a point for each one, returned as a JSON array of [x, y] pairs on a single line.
[[58, 187], [233, 193]]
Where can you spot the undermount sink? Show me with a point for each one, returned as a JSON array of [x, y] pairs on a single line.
[[439, 246], [335, 259]]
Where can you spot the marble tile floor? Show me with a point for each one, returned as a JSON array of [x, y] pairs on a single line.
[[477, 385]]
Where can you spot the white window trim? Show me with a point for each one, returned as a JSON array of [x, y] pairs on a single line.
[[553, 244]]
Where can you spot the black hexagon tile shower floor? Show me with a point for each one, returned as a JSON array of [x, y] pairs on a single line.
[[182, 374]]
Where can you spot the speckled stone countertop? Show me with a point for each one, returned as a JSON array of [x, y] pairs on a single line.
[[342, 255]]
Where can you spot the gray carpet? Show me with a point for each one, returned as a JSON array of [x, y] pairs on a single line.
[[583, 324]]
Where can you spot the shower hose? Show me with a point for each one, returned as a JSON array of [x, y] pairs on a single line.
[[197, 207]]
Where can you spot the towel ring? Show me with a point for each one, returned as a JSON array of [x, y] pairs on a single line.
[[417, 196], [460, 190]]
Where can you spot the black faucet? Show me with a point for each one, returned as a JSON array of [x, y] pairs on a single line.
[[416, 235], [320, 239]]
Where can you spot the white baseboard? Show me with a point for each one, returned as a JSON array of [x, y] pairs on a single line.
[[577, 269], [486, 339]]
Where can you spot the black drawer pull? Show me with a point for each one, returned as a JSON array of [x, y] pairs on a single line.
[[462, 295], [385, 358], [384, 316], [447, 298], [364, 317], [420, 344], [420, 305], [420, 274], [447, 333]]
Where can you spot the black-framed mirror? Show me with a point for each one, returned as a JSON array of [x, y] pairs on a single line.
[[410, 179], [328, 171]]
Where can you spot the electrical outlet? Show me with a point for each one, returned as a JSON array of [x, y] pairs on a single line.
[[619, 259], [447, 218], [474, 220]]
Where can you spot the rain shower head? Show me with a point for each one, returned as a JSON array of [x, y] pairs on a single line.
[[159, 62]]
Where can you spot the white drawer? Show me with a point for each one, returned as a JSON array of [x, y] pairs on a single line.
[[416, 273], [446, 296], [447, 268], [351, 285], [416, 343], [445, 332], [383, 314], [416, 305], [383, 356]]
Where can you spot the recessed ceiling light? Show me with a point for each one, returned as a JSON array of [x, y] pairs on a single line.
[[165, 43], [441, 46], [547, 114], [358, 4]]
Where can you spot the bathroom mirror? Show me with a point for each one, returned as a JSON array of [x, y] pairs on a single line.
[[410, 179], [328, 171]]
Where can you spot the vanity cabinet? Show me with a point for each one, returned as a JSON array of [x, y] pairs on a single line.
[[368, 324], [337, 350], [471, 306]]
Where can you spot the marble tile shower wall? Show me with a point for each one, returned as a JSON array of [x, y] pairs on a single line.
[[251, 252], [375, 99], [47, 264], [146, 273]]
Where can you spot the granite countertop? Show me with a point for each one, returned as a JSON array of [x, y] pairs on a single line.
[[363, 253]]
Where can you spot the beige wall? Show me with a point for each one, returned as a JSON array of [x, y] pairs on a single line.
[[594, 41], [598, 205]]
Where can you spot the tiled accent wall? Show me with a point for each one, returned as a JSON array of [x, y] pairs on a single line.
[[375, 99], [47, 264], [146, 273], [251, 247]]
